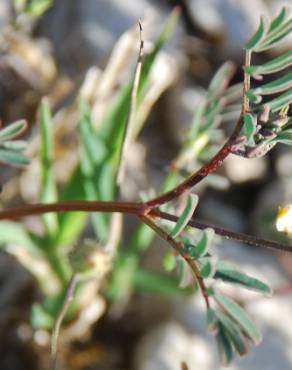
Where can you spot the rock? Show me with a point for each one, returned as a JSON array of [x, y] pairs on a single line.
[[241, 170], [167, 346]]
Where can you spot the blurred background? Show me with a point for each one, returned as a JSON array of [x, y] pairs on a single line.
[[67, 49]]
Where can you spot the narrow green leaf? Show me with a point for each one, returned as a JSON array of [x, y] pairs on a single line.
[[279, 19], [284, 137], [186, 215], [275, 37], [275, 65], [249, 127], [280, 101], [280, 84], [259, 36], [48, 183], [240, 316], [13, 158], [234, 333], [18, 145], [13, 130], [224, 346], [231, 275]]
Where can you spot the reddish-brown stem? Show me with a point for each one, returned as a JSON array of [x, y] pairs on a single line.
[[216, 161], [228, 234], [131, 208], [179, 248], [77, 205]]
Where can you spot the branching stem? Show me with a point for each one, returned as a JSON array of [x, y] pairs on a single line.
[[179, 248]]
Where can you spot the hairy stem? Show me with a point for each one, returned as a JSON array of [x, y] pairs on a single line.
[[178, 247], [132, 208], [218, 158], [78, 205], [228, 234]]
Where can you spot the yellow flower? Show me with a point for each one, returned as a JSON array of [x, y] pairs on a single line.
[[284, 219]]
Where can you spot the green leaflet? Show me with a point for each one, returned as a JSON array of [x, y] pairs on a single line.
[[12, 157], [224, 346], [280, 84], [249, 127], [17, 146], [201, 248], [259, 36], [13, 130], [279, 19], [230, 274], [234, 333], [280, 101], [284, 137], [240, 316], [276, 36], [275, 65], [186, 215]]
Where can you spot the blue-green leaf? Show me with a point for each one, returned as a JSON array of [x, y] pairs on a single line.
[[231, 275], [186, 215], [249, 127], [234, 333], [280, 101], [240, 316], [13, 130], [12, 157], [224, 346], [275, 65], [259, 36]]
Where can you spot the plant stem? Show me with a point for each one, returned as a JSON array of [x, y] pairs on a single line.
[[218, 158], [56, 330], [178, 247], [228, 234], [136, 209], [78, 205]]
